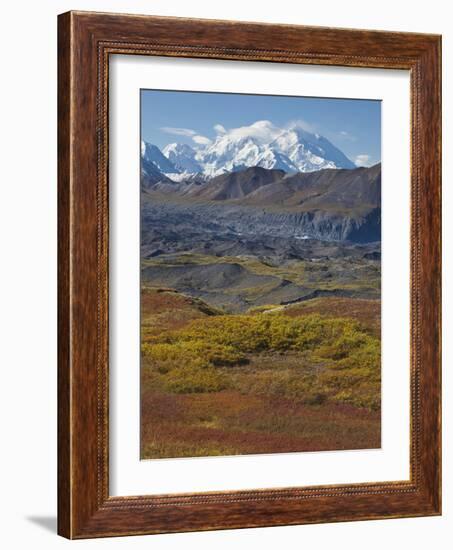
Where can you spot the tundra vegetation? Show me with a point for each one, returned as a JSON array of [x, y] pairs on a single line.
[[260, 313], [272, 379]]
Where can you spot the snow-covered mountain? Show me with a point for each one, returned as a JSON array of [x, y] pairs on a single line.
[[310, 152], [261, 144], [152, 153], [183, 157]]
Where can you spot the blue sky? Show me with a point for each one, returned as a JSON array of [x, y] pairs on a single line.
[[354, 126]]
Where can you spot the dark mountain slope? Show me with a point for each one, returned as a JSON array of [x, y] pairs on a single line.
[[323, 190], [337, 205], [150, 175], [236, 185]]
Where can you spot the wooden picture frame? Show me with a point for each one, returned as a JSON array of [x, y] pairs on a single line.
[[85, 42]]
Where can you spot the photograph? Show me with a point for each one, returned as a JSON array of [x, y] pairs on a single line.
[[260, 253], [225, 303]]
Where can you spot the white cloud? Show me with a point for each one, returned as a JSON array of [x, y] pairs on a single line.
[[346, 135], [187, 132], [363, 160], [261, 130], [201, 140], [303, 125], [219, 129], [179, 131]]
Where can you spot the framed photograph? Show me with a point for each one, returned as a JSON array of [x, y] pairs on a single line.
[[249, 275]]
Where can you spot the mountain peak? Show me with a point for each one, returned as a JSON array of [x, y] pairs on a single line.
[[183, 156], [177, 148], [262, 143], [152, 154]]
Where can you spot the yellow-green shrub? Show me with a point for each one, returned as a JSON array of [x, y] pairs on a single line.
[[254, 333], [190, 350], [346, 357], [190, 379]]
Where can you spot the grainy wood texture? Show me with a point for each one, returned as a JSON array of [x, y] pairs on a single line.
[[85, 42]]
